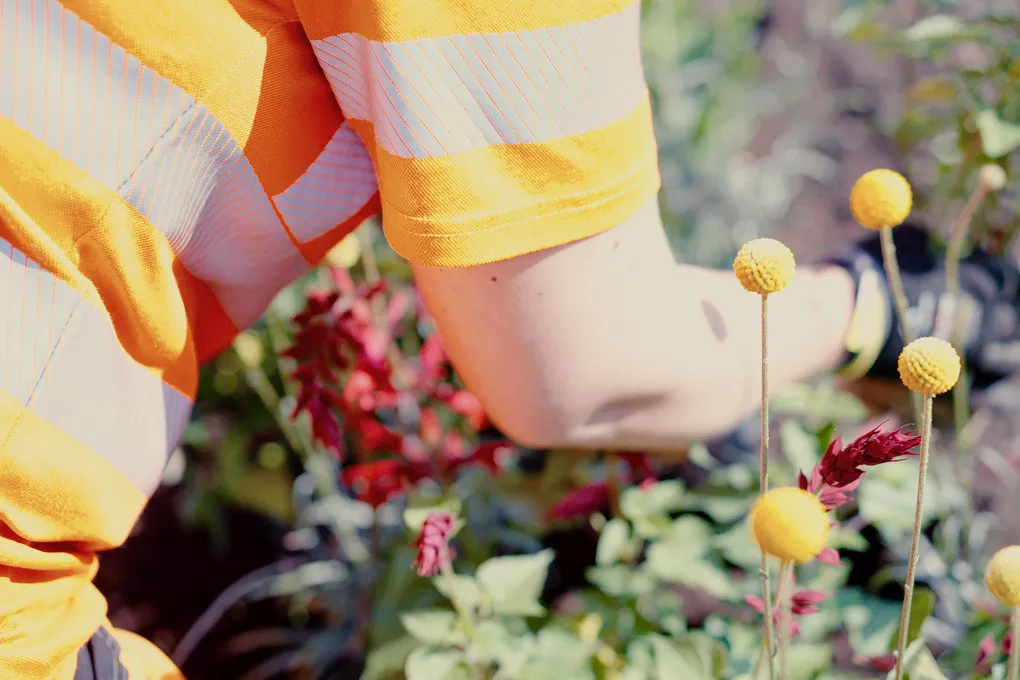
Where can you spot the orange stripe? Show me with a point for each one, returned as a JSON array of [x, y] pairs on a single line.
[[86, 235], [497, 202], [61, 502], [408, 20], [295, 122], [206, 47]]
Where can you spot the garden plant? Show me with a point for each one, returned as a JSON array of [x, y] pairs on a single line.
[[422, 538]]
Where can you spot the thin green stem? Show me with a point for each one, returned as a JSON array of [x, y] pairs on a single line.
[[961, 392], [899, 295], [785, 618], [915, 538], [763, 485], [1014, 651]]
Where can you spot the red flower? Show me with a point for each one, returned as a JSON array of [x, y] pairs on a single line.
[[804, 601], [841, 467], [494, 456], [433, 543], [376, 437], [882, 664], [758, 605], [582, 502], [985, 655], [375, 482], [829, 556]]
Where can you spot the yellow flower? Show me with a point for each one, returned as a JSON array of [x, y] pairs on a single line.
[[764, 266], [790, 523], [346, 253], [929, 365], [992, 176], [880, 199], [1003, 576]]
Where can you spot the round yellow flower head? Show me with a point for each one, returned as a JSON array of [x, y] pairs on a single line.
[[764, 266], [929, 366], [880, 199], [1003, 576], [992, 176], [790, 523]]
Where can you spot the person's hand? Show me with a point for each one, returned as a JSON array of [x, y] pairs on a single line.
[[990, 303]]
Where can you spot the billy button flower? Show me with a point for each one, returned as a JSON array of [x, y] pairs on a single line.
[[791, 524], [765, 266], [928, 367], [1002, 577], [882, 199]]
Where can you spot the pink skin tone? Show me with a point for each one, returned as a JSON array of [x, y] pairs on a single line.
[[609, 343]]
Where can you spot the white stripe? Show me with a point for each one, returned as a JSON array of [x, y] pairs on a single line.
[[438, 96], [62, 359], [68, 86], [333, 188]]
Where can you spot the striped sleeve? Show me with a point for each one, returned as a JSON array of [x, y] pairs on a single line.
[[496, 129]]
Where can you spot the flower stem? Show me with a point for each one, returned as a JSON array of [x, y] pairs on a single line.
[[961, 392], [899, 295], [915, 538], [785, 617], [1014, 649], [763, 485]]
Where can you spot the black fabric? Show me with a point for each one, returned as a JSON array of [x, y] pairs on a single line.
[[100, 659], [990, 292]]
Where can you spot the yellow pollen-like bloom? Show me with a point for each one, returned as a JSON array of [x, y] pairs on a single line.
[[1003, 576], [929, 365], [880, 199], [764, 266], [790, 523]]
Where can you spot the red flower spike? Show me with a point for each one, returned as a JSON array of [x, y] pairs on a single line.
[[986, 650], [841, 466], [581, 503], [433, 543], [829, 556], [882, 664], [804, 601], [375, 482]]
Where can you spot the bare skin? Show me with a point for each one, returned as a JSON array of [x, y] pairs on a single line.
[[609, 343]]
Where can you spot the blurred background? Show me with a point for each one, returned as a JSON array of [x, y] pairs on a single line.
[[766, 114]]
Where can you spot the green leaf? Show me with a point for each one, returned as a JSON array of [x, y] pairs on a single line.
[[460, 589], [690, 658], [672, 563], [738, 547], [558, 654], [494, 643], [808, 660], [514, 583], [871, 622], [937, 27], [998, 137], [799, 446], [662, 498], [691, 533], [613, 542], [387, 659], [432, 626], [430, 664], [919, 663], [922, 606], [620, 580]]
